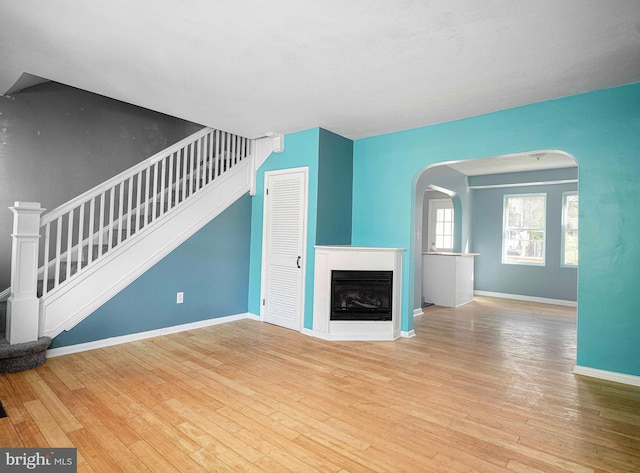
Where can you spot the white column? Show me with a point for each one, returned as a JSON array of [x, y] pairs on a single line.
[[261, 149], [23, 305]]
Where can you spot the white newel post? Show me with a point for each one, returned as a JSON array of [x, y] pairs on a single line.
[[23, 305]]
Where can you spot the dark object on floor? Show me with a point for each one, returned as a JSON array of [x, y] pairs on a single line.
[[23, 356]]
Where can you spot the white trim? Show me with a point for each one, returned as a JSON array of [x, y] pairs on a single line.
[[73, 300], [365, 331], [262, 149], [100, 188], [4, 295], [108, 342], [253, 317], [346, 257], [305, 224], [607, 375], [417, 312], [315, 334], [525, 184], [563, 236], [518, 297], [327, 337]]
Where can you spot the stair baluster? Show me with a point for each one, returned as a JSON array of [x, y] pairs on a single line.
[[74, 234]]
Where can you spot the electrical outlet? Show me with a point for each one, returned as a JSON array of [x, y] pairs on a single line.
[[180, 298]]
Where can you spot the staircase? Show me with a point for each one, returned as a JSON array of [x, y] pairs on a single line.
[[96, 244]]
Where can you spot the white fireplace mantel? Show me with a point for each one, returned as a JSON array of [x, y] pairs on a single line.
[[357, 258]]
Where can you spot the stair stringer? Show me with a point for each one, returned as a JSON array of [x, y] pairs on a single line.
[[73, 301]]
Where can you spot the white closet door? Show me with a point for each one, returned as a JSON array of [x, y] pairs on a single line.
[[284, 256]]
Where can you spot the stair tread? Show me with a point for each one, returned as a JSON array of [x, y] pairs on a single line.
[[120, 230], [23, 356]]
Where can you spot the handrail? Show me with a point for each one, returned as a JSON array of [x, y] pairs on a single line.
[[87, 227], [97, 190]]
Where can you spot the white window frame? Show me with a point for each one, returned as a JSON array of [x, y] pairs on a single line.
[[434, 206], [506, 228], [565, 230]]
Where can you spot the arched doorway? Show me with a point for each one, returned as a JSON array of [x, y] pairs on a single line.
[[552, 172]]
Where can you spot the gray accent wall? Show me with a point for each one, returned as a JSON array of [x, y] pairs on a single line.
[[57, 142], [552, 281]]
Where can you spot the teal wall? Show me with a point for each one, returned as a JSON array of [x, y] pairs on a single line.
[[300, 150], [211, 268], [329, 158], [335, 184], [602, 131]]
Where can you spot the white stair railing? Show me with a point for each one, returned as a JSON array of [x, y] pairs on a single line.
[[77, 234]]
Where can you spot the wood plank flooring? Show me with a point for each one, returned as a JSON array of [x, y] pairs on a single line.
[[486, 387]]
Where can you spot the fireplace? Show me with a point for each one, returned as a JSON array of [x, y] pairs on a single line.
[[357, 293], [361, 295]]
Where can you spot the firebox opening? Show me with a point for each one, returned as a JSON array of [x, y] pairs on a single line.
[[361, 295]]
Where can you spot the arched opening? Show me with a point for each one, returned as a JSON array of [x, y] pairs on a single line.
[[477, 189]]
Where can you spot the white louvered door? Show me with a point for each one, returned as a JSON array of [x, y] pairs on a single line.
[[284, 257]]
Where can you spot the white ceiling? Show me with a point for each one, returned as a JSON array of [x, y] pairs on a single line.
[[514, 163], [356, 67]]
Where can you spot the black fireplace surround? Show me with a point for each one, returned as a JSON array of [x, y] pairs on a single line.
[[361, 295]]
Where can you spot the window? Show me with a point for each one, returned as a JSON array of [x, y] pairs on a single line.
[[440, 225], [570, 229], [524, 223]]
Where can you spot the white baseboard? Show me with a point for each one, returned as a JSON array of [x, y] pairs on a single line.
[[112, 341], [315, 334], [72, 301], [108, 342], [417, 312], [607, 375], [541, 300], [344, 331]]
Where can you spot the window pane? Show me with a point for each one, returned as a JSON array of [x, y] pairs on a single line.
[[441, 216], [571, 212], [534, 212], [524, 229], [515, 212], [571, 248], [570, 229]]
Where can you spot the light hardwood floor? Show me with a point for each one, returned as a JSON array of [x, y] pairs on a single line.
[[485, 387]]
